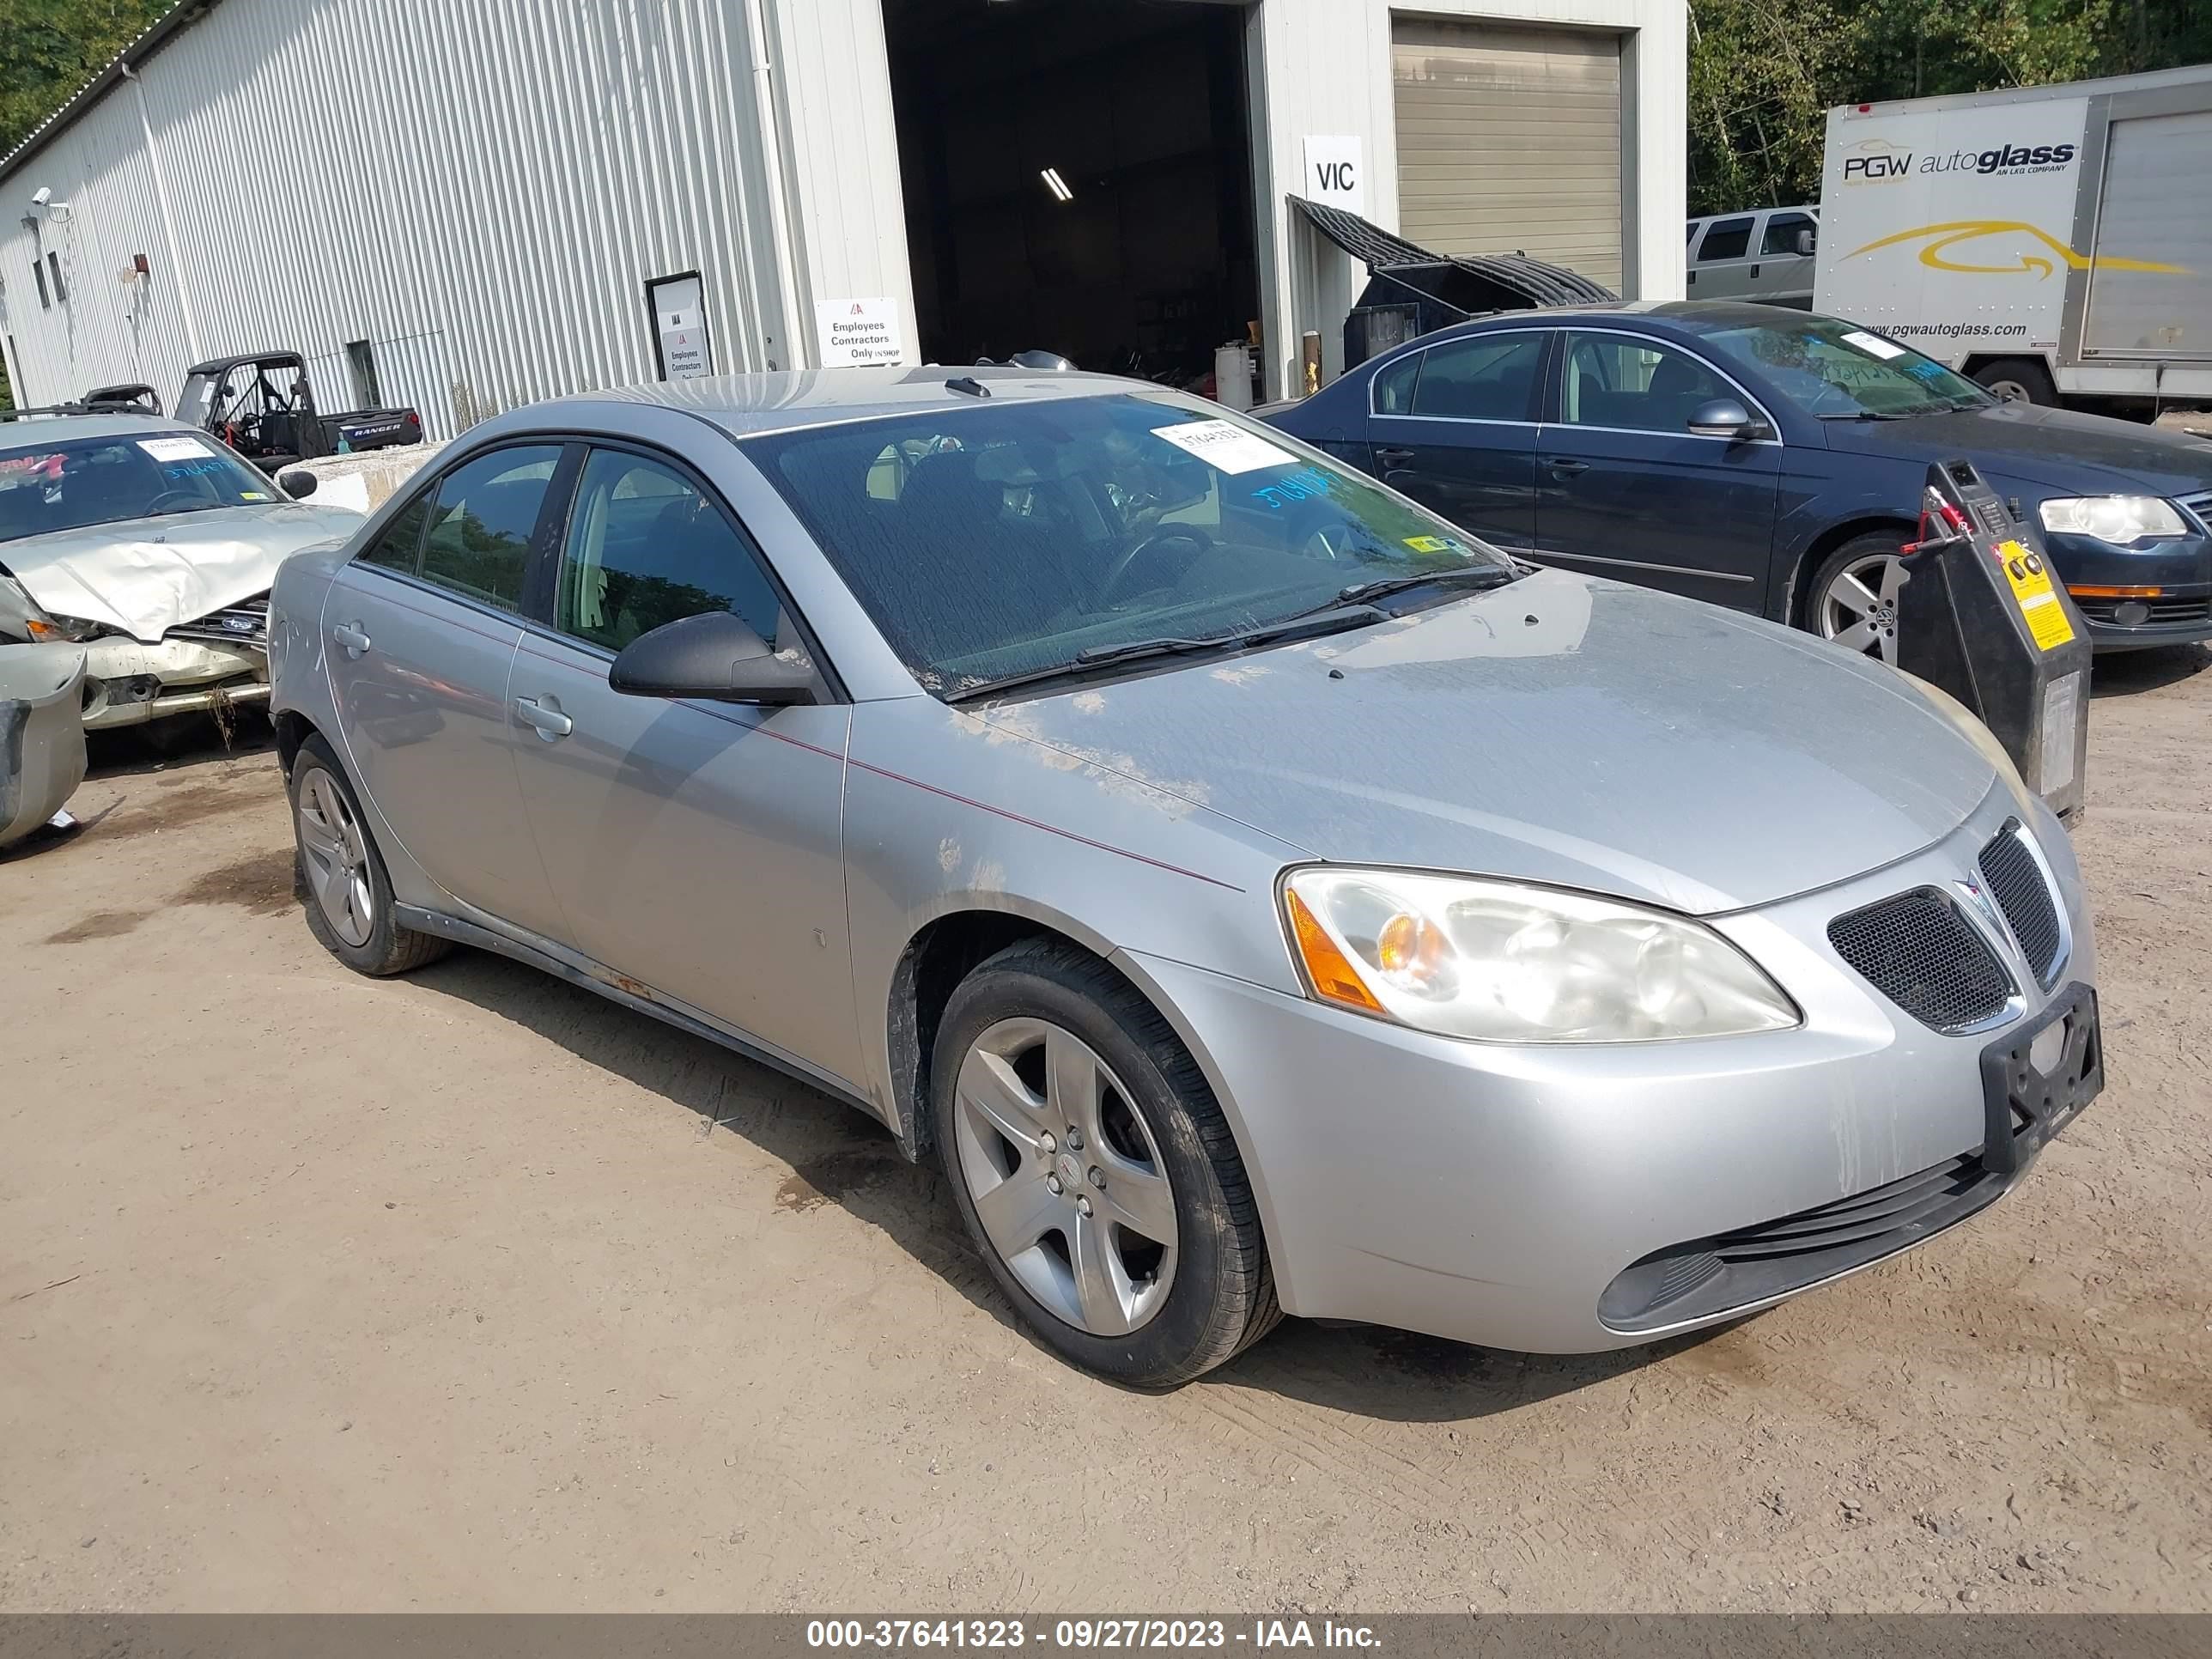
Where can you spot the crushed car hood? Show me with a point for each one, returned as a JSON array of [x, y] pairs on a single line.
[[146, 575], [1564, 730]]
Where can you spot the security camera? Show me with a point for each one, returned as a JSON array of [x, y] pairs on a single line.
[[40, 197]]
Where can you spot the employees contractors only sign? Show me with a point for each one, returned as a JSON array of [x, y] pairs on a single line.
[[854, 332]]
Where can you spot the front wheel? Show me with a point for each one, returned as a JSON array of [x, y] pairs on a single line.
[[1095, 1170], [1854, 595]]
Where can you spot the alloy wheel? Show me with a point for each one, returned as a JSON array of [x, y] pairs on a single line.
[[1859, 609], [1066, 1176], [335, 854]]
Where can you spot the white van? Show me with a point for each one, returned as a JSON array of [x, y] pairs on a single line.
[[1765, 255]]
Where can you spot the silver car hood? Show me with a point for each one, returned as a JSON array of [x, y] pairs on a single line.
[[1562, 730], [146, 575]]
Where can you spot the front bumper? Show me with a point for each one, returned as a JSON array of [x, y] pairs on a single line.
[[2107, 582], [1495, 1195], [128, 684]]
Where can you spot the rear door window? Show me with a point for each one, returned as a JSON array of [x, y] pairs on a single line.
[[481, 522], [1492, 377], [1725, 238], [1394, 386]]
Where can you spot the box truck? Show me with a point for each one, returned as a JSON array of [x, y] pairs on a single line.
[[2049, 241]]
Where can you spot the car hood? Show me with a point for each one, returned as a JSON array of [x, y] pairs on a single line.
[[1563, 730], [2058, 448], [145, 576]]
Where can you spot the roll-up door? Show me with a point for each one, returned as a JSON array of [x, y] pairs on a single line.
[[1509, 142], [2148, 290]]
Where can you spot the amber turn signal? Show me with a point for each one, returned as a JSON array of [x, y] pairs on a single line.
[[1333, 977]]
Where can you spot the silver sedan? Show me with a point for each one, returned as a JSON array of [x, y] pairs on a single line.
[[1262, 896]]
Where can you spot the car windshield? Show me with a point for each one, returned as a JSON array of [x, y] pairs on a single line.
[[90, 481], [1829, 368], [994, 541]]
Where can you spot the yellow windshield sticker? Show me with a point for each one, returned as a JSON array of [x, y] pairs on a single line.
[[2032, 591], [1428, 543], [251, 496]]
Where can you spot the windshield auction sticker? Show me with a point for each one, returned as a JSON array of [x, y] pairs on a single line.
[[2030, 590], [1225, 446], [175, 449], [1873, 344]]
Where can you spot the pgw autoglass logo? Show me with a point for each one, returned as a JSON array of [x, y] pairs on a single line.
[[1876, 161]]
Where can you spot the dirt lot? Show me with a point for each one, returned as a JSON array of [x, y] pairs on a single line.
[[473, 1291]]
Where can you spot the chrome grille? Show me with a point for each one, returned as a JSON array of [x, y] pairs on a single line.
[[1920, 952], [2198, 507], [2016, 884], [245, 624]]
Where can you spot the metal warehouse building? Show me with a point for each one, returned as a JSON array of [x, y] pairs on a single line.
[[467, 205]]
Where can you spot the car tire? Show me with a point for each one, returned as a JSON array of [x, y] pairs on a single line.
[[340, 876], [1852, 598], [2018, 380], [1149, 1140]]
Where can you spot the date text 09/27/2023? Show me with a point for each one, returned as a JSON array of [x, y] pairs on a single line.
[[1085, 1634]]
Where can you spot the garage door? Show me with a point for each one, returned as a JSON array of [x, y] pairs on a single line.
[[1509, 142]]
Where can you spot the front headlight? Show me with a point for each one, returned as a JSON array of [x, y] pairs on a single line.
[[46, 630], [1463, 957], [2112, 518]]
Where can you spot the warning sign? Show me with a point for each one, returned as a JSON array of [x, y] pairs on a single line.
[[2030, 579], [852, 331]]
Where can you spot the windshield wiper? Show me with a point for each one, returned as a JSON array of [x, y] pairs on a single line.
[[1478, 576], [1890, 413], [1335, 619]]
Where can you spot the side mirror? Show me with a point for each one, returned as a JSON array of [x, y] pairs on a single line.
[[714, 656], [1724, 417], [299, 484], [1806, 241]]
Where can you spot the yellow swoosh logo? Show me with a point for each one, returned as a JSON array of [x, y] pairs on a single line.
[[1946, 237]]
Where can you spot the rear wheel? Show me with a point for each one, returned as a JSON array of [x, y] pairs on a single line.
[[1854, 594], [2018, 380], [342, 877], [1095, 1171]]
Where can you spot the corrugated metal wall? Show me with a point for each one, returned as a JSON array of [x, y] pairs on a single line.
[[480, 188]]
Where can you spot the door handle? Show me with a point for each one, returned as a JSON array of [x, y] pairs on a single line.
[[552, 723], [1754, 271], [1566, 466], [1394, 457], [349, 636]]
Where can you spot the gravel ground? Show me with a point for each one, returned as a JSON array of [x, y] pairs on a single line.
[[471, 1291]]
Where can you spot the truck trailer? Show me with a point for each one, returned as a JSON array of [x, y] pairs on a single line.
[[2051, 242]]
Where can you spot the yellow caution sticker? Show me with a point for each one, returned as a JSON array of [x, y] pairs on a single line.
[[2038, 602], [1428, 543], [252, 495]]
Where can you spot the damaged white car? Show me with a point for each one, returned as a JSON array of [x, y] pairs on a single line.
[[153, 548]]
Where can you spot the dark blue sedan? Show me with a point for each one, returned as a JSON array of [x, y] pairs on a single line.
[[1762, 458]]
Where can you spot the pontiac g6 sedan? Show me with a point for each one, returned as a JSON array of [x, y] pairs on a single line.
[[1262, 896]]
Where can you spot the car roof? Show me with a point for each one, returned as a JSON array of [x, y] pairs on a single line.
[[1686, 316], [747, 405], [66, 428], [218, 365]]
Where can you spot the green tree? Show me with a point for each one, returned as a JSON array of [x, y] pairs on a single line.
[[49, 48], [1764, 73]]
